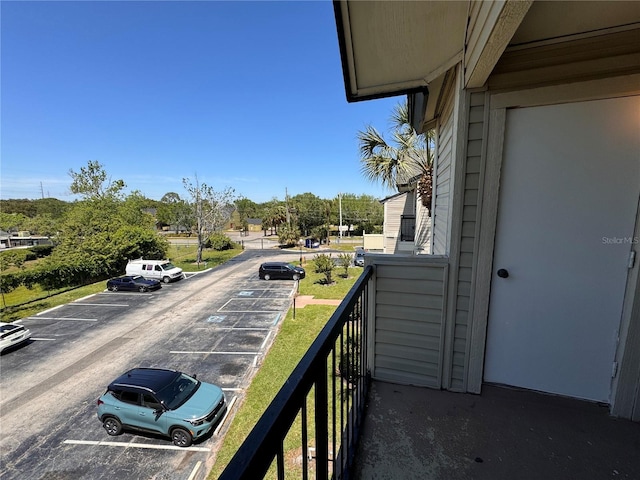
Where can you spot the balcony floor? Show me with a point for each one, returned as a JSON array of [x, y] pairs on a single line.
[[417, 433]]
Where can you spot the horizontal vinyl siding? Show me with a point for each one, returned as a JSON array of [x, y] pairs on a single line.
[[394, 208], [442, 187], [410, 303]]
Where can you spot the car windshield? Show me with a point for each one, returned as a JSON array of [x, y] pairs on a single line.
[[178, 391], [167, 266]]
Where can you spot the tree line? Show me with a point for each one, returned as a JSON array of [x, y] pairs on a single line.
[[97, 234]]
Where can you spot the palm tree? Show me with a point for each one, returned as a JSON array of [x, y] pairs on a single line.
[[408, 159]]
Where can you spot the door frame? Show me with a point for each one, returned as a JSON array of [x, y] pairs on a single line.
[[481, 284]]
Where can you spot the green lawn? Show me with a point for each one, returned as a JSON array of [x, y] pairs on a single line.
[[184, 256]]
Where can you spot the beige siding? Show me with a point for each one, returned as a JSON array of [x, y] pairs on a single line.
[[467, 238], [410, 304], [443, 180], [394, 208], [423, 229]]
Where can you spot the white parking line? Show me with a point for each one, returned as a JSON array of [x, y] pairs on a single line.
[[37, 339], [265, 341], [213, 353], [99, 304], [135, 445], [84, 298], [224, 419], [248, 311], [243, 328], [64, 318], [50, 310], [195, 470], [232, 389]]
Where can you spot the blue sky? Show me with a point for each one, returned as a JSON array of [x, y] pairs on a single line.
[[247, 95]]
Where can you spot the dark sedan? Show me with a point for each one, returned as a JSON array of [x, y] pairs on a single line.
[[135, 283]]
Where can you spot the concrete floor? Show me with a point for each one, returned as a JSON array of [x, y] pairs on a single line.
[[417, 433]]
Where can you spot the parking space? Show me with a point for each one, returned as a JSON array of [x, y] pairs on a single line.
[[53, 330], [219, 327]]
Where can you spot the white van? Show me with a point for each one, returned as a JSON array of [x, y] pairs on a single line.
[[162, 270]]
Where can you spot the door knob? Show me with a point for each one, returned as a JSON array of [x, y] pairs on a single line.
[[502, 273]]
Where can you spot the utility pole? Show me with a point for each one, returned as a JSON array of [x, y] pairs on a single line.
[[286, 202], [340, 205]]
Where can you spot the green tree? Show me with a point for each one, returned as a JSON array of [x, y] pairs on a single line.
[[102, 231], [93, 183], [409, 156], [212, 210], [42, 224], [136, 210], [309, 211], [246, 208], [275, 215], [32, 208], [11, 222], [176, 212], [288, 236]]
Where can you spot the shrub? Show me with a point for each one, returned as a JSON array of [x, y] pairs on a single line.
[[41, 251], [219, 242], [14, 257], [344, 260], [288, 237], [324, 264]]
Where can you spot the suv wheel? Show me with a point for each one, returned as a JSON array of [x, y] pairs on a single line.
[[181, 437], [112, 425], [166, 279], [296, 277], [267, 277]]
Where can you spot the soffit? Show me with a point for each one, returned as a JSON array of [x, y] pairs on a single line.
[[394, 47], [549, 21]]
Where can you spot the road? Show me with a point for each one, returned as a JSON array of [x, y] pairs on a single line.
[[217, 324]]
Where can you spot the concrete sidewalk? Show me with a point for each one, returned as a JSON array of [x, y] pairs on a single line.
[[304, 300], [418, 434]]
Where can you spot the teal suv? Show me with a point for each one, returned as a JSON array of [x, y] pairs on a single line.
[[165, 402]]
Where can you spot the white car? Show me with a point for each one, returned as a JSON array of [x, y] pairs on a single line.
[[13, 334]]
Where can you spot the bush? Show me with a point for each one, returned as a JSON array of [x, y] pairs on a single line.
[[288, 237], [41, 251], [14, 257], [219, 242], [344, 260], [324, 264], [10, 281]]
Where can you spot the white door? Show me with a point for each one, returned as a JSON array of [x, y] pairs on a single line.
[[570, 185]]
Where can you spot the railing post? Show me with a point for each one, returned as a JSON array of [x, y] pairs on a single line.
[[322, 419]]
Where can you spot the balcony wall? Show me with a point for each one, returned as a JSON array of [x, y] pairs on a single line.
[[408, 315]]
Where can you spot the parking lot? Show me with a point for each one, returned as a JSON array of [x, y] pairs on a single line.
[[217, 324]]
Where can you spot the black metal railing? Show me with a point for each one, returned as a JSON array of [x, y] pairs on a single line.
[[330, 382]]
